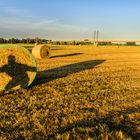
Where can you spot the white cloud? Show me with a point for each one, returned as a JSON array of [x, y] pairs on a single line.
[[32, 26], [45, 28]]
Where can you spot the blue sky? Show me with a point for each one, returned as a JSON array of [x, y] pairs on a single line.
[[70, 19]]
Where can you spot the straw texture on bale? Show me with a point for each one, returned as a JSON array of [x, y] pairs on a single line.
[[41, 51], [17, 68]]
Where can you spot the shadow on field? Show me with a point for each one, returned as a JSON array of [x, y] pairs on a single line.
[[114, 121], [66, 55], [52, 74]]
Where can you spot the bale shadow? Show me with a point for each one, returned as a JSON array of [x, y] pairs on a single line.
[[66, 55], [52, 74]]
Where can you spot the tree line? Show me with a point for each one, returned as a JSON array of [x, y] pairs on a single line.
[[45, 41], [25, 41]]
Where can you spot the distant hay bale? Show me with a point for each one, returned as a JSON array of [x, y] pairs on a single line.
[[41, 51], [17, 68]]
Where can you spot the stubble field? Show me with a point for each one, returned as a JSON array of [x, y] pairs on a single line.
[[81, 92]]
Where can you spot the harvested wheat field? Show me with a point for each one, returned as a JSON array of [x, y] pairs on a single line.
[[81, 92]]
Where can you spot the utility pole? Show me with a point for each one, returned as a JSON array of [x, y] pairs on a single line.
[[94, 38], [97, 38]]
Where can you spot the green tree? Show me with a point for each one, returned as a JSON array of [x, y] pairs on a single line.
[[2, 41], [131, 43], [12, 41]]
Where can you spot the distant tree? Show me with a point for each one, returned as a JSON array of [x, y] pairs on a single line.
[[12, 41], [2, 41], [27, 40], [86, 40], [17, 40], [74, 43], [104, 43], [45, 41], [77, 43], [32, 41], [49, 41], [64, 43], [56, 43], [131, 43], [23, 40], [38, 40]]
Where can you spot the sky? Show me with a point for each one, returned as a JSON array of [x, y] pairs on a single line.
[[70, 19]]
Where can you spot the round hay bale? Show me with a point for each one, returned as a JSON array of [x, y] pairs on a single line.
[[17, 68], [41, 51]]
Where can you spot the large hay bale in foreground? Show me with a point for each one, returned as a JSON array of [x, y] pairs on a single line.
[[17, 68], [41, 51]]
